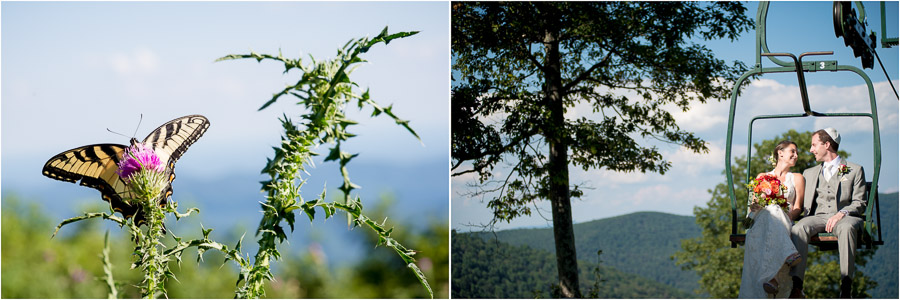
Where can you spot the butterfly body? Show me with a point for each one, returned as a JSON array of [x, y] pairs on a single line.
[[96, 166]]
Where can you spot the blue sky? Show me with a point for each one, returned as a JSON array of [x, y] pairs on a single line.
[[70, 70], [75, 62], [794, 27]]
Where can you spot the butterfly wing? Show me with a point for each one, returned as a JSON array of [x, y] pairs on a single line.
[[93, 166], [172, 139]]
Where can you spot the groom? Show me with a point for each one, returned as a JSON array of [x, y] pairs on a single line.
[[833, 202]]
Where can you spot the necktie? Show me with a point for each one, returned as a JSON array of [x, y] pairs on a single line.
[[829, 171]]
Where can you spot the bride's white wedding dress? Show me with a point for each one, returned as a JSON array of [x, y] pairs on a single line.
[[766, 248]]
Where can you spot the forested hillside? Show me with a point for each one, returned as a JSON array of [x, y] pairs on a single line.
[[639, 243], [883, 265], [487, 268]]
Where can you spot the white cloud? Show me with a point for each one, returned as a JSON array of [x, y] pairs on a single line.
[[605, 178], [767, 96], [701, 117], [856, 99], [581, 109], [767, 84], [737, 150], [694, 164], [139, 61], [664, 197]]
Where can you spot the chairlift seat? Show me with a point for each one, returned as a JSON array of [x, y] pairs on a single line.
[[828, 241]]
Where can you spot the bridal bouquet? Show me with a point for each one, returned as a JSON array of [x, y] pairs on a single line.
[[767, 189]]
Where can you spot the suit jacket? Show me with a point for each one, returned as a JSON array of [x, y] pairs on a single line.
[[849, 192]]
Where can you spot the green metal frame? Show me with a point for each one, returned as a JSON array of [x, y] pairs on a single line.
[[885, 41], [797, 65]]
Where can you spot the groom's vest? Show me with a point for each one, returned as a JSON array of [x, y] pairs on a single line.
[[826, 195]]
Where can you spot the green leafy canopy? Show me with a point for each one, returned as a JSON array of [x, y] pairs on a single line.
[[606, 50]]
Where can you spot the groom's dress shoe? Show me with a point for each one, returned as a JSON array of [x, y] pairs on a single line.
[[846, 284], [797, 290]]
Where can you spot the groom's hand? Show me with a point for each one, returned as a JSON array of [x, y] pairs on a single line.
[[829, 226]]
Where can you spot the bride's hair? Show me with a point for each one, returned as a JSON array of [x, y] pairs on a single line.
[[780, 146]]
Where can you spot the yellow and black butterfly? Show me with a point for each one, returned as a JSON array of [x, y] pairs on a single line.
[[95, 166]]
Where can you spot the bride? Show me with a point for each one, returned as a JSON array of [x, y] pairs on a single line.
[[768, 248]]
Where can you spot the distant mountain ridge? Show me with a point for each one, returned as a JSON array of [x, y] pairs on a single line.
[[639, 243], [488, 268], [883, 265]]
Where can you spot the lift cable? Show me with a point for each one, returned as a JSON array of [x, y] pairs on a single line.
[[886, 74]]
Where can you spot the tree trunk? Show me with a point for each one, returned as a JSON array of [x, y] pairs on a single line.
[[558, 168]]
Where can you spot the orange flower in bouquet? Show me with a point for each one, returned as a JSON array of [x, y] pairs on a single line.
[[767, 189]]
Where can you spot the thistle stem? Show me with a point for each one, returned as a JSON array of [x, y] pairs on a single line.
[[154, 263], [107, 269]]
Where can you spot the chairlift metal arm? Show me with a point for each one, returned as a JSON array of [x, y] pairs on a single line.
[[885, 41], [798, 66]]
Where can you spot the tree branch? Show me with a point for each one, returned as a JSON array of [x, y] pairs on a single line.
[[461, 173], [497, 151], [530, 55], [603, 62]]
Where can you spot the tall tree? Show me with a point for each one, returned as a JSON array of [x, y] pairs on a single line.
[[528, 63], [719, 265]]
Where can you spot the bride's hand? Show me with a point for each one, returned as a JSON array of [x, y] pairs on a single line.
[[754, 207]]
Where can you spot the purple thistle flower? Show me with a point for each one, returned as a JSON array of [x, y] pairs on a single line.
[[136, 158]]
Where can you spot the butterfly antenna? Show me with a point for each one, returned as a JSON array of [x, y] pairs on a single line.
[[107, 129], [139, 125]]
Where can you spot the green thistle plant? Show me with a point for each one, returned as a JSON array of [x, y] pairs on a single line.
[[324, 90]]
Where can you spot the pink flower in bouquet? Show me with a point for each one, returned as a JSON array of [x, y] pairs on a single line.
[[768, 190]]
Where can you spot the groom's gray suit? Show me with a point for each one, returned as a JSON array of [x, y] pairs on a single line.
[[823, 198]]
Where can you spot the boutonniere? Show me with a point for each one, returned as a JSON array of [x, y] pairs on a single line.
[[843, 169]]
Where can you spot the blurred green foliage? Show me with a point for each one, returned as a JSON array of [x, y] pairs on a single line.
[[69, 265], [36, 266], [379, 275]]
